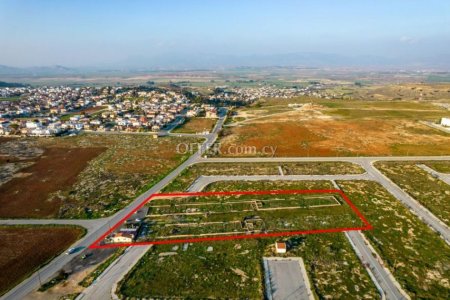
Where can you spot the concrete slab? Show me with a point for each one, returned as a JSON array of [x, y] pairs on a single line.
[[286, 279]]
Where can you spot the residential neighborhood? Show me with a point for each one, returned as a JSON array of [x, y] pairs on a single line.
[[50, 111]]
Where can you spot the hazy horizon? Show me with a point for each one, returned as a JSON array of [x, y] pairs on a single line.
[[202, 34]]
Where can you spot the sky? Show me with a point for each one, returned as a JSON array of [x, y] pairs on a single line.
[[142, 33]]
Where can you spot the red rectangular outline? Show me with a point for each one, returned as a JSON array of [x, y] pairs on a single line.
[[96, 244]]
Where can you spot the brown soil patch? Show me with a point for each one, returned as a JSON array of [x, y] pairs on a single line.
[[57, 169], [196, 125], [339, 137], [24, 249]]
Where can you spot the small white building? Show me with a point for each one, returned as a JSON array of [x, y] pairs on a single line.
[[445, 122], [280, 247], [122, 237]]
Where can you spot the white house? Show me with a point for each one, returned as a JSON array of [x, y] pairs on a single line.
[[122, 237], [280, 247], [445, 122]]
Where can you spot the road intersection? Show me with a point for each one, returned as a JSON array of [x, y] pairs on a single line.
[[95, 228]]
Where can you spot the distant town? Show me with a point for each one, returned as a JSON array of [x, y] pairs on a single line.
[[64, 110]]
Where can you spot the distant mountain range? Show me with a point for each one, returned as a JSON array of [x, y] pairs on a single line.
[[176, 61], [37, 71]]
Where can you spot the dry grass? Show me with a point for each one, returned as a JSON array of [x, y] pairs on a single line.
[[329, 128], [431, 192], [27, 196], [196, 125], [24, 249]]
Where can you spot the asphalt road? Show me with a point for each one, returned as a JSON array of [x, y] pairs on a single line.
[[45, 273], [97, 227], [389, 286], [442, 176], [423, 213], [105, 285], [355, 159], [202, 181], [367, 163]]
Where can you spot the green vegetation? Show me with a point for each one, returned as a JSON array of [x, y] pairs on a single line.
[[62, 276], [431, 192], [439, 166], [333, 267], [188, 176], [416, 255], [213, 215], [231, 270]]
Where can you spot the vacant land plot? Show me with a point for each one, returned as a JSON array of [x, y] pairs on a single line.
[[431, 192], [182, 182], [130, 165], [188, 217], [339, 127], [416, 255], [84, 176], [57, 169], [196, 125], [226, 270], [404, 91], [25, 249], [334, 269]]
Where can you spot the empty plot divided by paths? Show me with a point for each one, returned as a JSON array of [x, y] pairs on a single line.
[[265, 224], [367, 164]]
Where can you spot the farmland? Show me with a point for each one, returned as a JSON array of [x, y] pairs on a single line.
[[86, 176], [196, 125], [407, 246], [24, 249], [431, 192], [338, 128], [182, 182]]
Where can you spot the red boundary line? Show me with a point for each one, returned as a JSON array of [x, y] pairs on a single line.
[[367, 226]]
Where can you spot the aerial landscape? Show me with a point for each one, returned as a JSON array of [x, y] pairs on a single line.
[[225, 149]]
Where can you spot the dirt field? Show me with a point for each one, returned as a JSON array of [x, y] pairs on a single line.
[[26, 195], [24, 249], [129, 166], [339, 128], [195, 125]]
